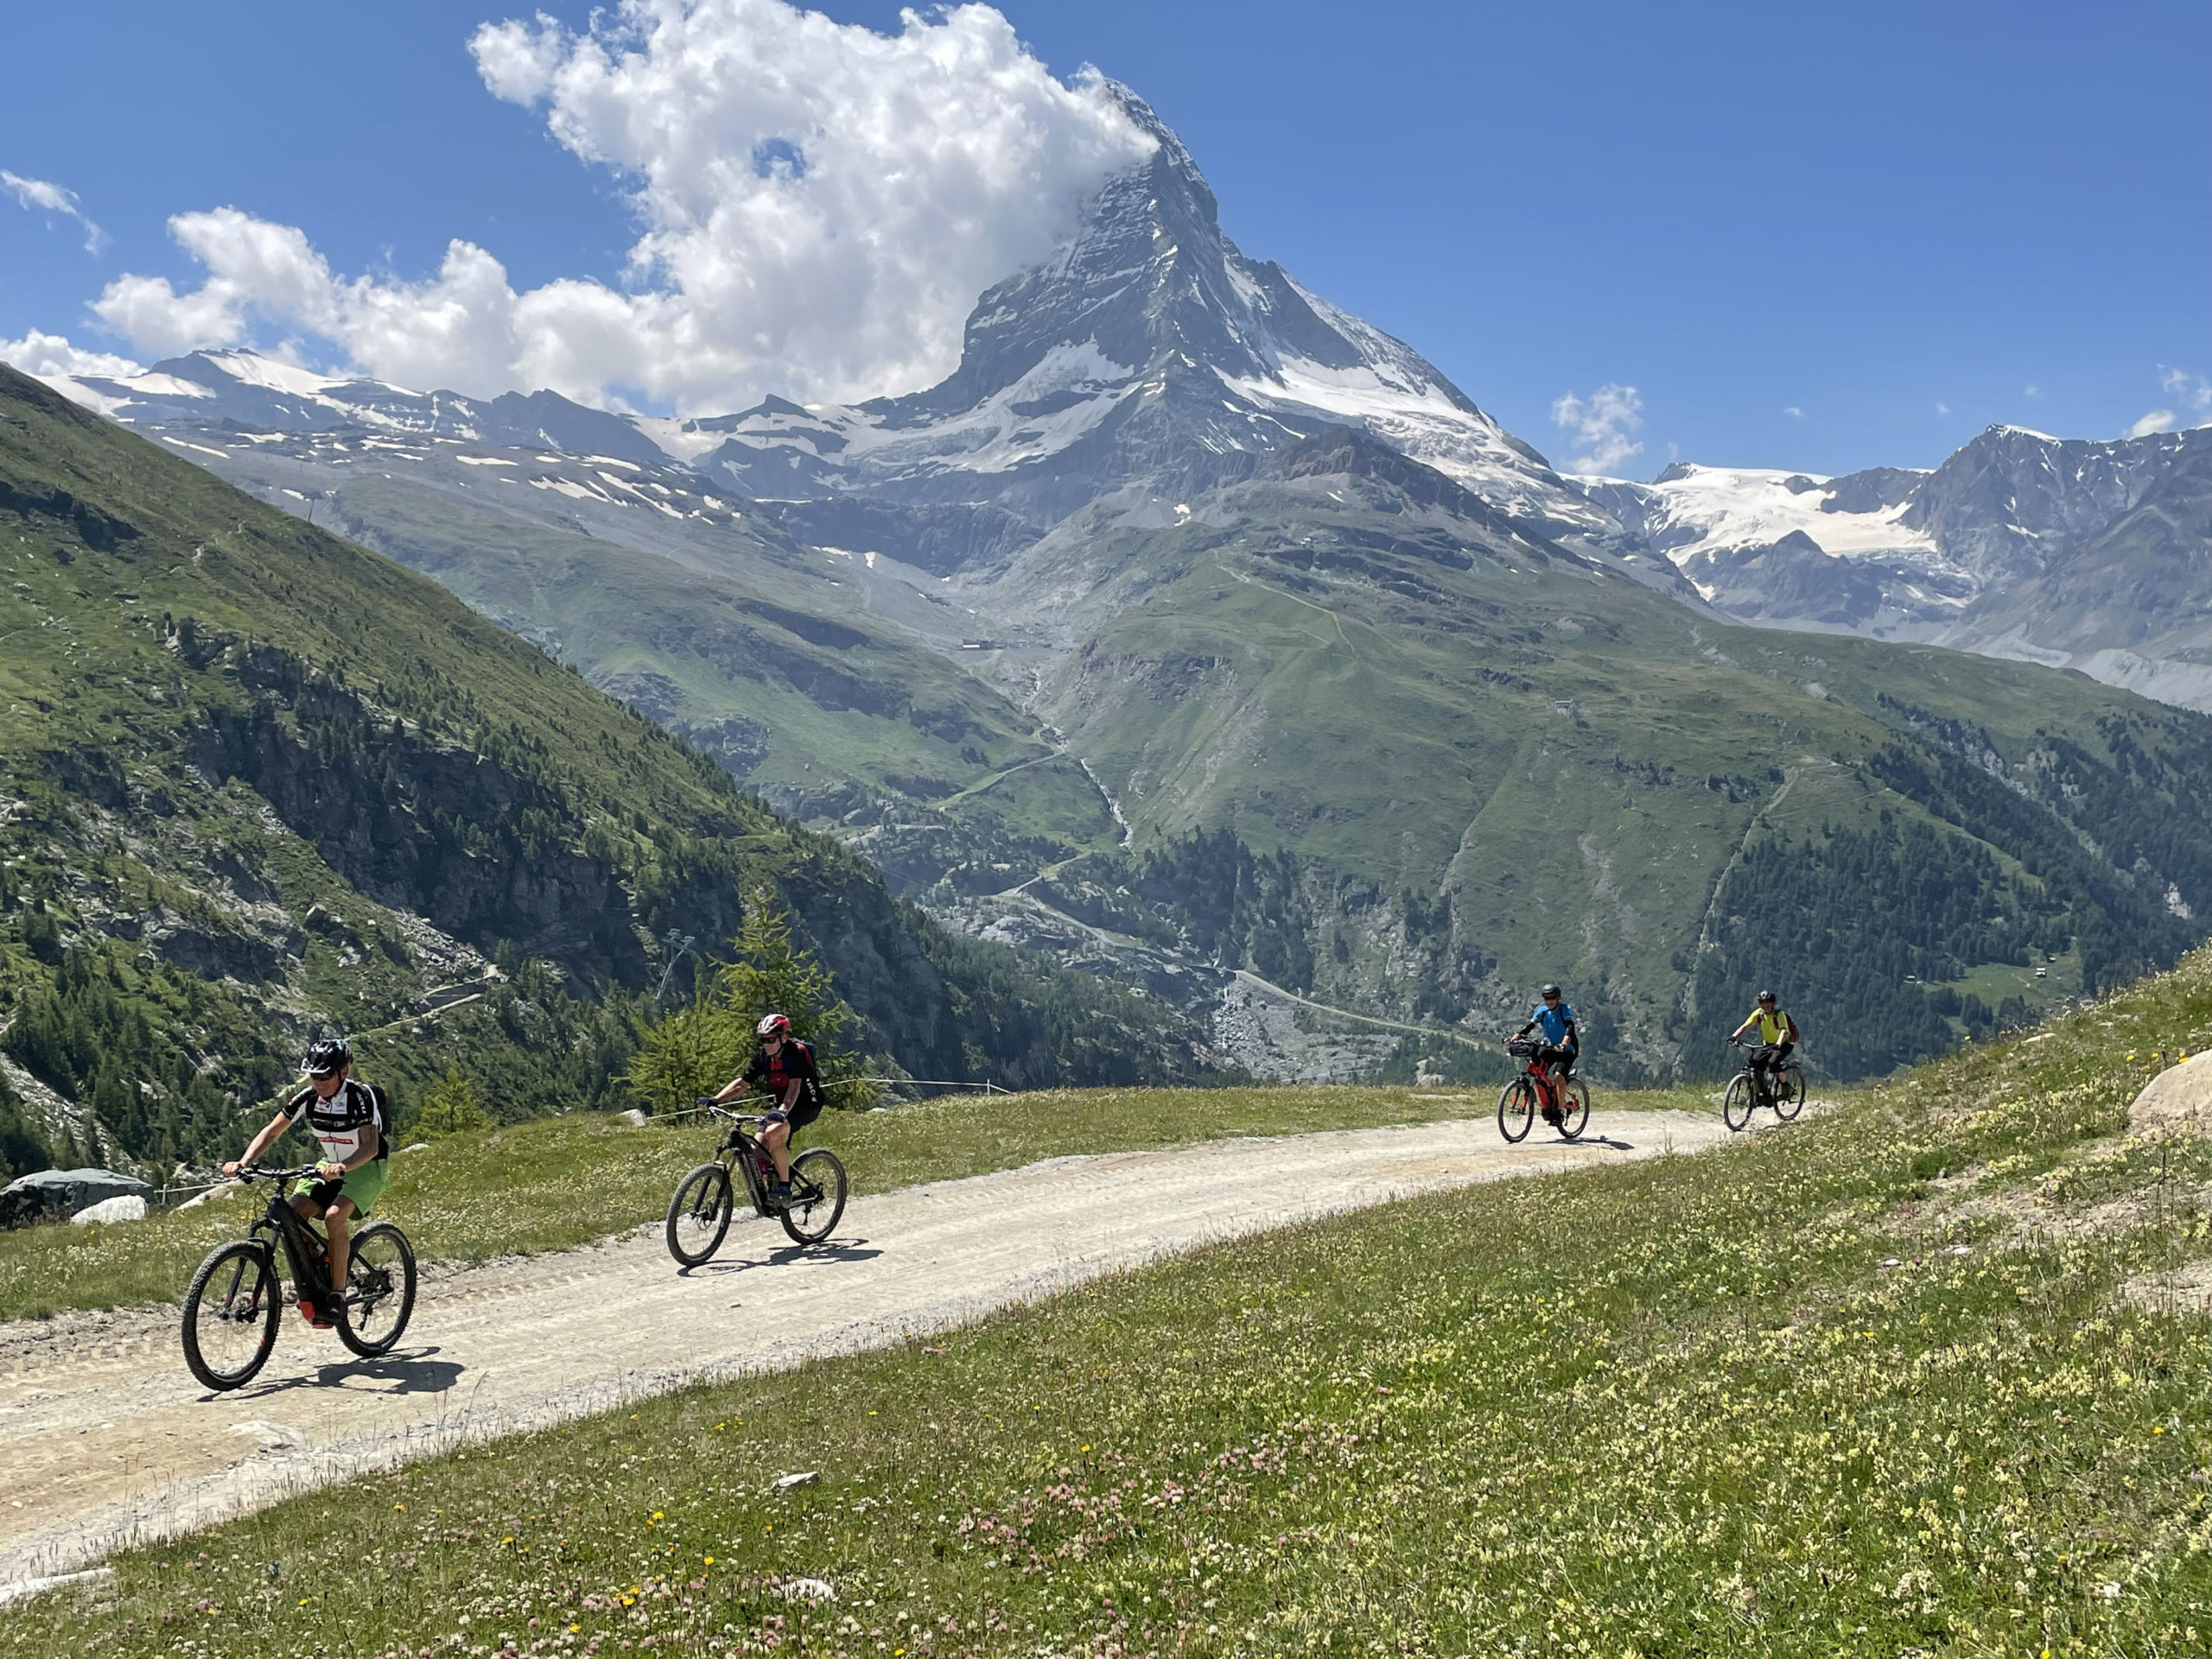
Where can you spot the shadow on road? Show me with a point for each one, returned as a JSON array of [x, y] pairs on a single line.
[[857, 1249], [416, 1372]]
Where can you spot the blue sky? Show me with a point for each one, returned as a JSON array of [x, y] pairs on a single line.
[[1903, 222]]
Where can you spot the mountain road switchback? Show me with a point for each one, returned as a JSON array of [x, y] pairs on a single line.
[[107, 1440]]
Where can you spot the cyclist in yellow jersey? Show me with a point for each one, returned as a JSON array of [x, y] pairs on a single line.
[[1778, 1036]]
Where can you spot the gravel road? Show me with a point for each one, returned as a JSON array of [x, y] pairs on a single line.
[[105, 1439]]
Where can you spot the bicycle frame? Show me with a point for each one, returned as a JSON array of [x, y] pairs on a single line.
[[304, 1252], [743, 1154], [1549, 1090], [1762, 1083]]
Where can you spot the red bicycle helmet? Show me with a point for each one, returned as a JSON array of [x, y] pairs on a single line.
[[772, 1025]]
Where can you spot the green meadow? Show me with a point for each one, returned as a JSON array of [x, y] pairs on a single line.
[[1903, 1377]]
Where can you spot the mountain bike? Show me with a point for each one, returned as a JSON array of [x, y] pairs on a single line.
[[1536, 1088], [1748, 1091], [236, 1297], [699, 1214]]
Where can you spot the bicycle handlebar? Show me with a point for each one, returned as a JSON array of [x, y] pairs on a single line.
[[271, 1172], [716, 1109]]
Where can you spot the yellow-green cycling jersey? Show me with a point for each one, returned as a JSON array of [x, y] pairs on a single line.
[[1775, 1027]]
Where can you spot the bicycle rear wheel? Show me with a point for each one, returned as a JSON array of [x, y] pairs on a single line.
[[1736, 1104], [699, 1216], [1575, 1109], [817, 1196], [230, 1315], [380, 1290], [1789, 1091], [1517, 1109]]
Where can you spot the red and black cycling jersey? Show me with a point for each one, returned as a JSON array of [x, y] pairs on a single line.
[[775, 1072]]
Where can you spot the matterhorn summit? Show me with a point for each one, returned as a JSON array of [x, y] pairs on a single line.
[[1148, 345]]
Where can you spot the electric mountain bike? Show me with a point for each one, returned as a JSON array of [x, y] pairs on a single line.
[[1748, 1091], [236, 1297], [699, 1214], [1536, 1088]]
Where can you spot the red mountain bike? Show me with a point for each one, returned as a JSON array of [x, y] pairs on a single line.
[[1535, 1089]]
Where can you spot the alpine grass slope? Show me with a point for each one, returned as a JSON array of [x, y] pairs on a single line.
[[257, 782], [1911, 1375]]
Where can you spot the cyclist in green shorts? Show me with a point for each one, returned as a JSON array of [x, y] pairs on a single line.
[[350, 1120]]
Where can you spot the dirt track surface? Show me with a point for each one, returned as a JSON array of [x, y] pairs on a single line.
[[106, 1440]]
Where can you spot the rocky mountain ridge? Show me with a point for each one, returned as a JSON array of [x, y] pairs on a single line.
[[2019, 545]]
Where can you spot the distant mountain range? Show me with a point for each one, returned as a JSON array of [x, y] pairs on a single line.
[[2095, 556], [1193, 627]]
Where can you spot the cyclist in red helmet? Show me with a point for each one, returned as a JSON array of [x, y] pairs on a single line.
[[783, 1067]]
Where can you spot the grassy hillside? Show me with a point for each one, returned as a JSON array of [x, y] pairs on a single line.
[[1497, 765], [806, 671], [1899, 1378], [1479, 761], [256, 780]]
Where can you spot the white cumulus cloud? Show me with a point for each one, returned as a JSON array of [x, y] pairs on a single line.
[[819, 204], [2192, 395], [2192, 390], [43, 196], [1603, 425], [39, 354]]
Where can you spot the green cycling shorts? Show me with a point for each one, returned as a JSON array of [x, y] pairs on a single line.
[[364, 1185]]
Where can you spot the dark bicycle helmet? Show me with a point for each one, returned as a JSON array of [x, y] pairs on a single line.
[[772, 1025], [1550, 990], [1766, 996], [331, 1054]]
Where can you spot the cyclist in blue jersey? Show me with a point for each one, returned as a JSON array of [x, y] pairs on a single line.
[[1562, 1042]]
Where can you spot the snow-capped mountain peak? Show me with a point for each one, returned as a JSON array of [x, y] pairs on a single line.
[[264, 393], [1148, 345]]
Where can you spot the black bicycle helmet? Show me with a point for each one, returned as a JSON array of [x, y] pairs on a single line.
[[327, 1056], [1766, 996], [1550, 990]]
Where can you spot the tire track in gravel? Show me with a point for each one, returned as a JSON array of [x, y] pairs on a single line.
[[106, 1440]]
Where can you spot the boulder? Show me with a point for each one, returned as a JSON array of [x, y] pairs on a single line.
[[129, 1207], [2178, 1101], [58, 1194]]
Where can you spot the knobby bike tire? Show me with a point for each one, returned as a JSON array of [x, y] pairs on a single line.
[[807, 1218], [380, 1281], [1789, 1099], [1576, 1112], [702, 1203], [1517, 1109], [1736, 1104], [241, 1279]]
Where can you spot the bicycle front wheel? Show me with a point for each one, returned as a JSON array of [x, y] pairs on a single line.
[[380, 1290], [1575, 1109], [1517, 1109], [1789, 1091], [230, 1315], [1736, 1104], [817, 1196], [698, 1215]]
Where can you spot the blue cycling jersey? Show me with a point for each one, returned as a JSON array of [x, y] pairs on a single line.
[[1554, 1022]]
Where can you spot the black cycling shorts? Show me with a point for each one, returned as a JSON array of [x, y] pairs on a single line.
[[1771, 1054], [799, 1117], [1562, 1058]]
